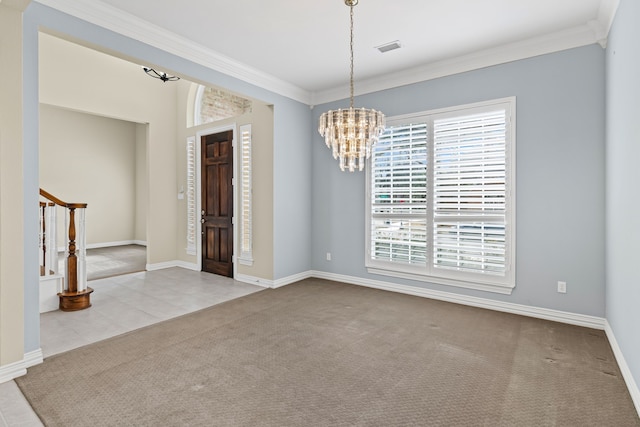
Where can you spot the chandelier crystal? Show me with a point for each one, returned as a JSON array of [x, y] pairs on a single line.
[[351, 133]]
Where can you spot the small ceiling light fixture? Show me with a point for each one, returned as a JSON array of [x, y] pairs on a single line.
[[351, 133], [160, 75]]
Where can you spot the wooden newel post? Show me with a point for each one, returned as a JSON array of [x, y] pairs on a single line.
[[72, 260], [71, 299]]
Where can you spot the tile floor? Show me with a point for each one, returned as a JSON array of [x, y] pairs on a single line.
[[120, 304]]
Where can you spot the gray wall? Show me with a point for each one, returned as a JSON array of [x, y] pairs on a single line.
[[290, 139], [560, 177], [291, 191], [623, 176]]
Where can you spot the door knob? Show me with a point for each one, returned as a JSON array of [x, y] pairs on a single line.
[[202, 220]]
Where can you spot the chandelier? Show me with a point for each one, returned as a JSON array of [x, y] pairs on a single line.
[[159, 74], [351, 133]]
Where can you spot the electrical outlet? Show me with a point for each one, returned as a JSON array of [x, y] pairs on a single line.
[[562, 287], [328, 256]]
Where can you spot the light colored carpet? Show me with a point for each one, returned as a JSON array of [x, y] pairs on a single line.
[[320, 353]]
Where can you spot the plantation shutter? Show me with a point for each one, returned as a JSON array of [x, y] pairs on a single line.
[[246, 240], [469, 193], [399, 195], [191, 195]]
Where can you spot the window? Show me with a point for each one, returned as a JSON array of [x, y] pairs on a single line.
[[246, 241], [441, 197]]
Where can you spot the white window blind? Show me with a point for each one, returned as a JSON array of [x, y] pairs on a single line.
[[441, 202], [470, 192], [399, 195], [246, 223], [191, 195]]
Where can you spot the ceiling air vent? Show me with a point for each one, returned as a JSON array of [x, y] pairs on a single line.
[[389, 46]]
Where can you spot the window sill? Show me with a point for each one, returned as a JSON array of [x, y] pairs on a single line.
[[245, 261], [487, 287]]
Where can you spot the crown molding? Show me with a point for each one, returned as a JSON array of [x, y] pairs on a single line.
[[113, 19], [575, 37], [595, 31]]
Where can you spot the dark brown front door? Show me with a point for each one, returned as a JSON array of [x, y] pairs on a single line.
[[217, 203]]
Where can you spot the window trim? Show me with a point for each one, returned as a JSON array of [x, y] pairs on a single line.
[[197, 110], [477, 281]]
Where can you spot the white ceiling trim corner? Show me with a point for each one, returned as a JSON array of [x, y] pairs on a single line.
[[115, 20], [606, 15]]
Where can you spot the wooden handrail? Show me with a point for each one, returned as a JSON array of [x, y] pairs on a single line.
[[59, 202]]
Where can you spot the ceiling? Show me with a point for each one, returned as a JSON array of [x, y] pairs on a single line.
[[301, 48]]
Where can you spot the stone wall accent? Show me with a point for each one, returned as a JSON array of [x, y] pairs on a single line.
[[218, 104]]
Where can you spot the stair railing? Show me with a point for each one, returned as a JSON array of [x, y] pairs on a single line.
[[47, 241], [75, 295]]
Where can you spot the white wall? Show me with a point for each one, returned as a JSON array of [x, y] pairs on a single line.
[[623, 176], [91, 159]]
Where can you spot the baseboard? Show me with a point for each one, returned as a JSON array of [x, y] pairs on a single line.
[[292, 279], [112, 244], [12, 370], [273, 284], [624, 368], [187, 265], [523, 310], [163, 265], [252, 280], [507, 307], [18, 369], [33, 358]]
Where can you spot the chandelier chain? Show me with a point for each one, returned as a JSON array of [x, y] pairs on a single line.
[[351, 54]]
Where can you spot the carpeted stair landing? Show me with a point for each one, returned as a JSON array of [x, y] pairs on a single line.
[[320, 353]]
